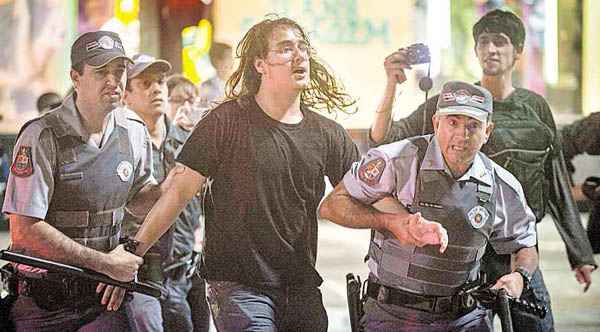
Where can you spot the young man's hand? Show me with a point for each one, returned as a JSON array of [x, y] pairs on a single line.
[[418, 231]]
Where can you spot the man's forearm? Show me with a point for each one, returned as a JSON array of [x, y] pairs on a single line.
[[40, 239], [342, 209], [526, 258], [566, 216], [182, 184], [383, 115], [142, 202]]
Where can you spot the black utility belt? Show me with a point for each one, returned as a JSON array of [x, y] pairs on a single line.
[[53, 294], [432, 304]]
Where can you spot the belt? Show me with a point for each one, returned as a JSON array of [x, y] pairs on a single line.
[[432, 304], [53, 295]]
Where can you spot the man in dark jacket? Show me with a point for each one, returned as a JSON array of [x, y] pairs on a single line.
[[583, 136]]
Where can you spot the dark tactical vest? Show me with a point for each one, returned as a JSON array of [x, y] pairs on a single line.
[[89, 194], [521, 143], [439, 198]]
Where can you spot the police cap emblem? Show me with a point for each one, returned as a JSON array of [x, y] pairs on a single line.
[[106, 43], [462, 96]]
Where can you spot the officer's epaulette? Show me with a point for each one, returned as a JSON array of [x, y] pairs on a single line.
[[129, 115]]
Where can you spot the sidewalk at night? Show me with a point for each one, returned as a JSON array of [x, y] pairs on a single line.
[[342, 250]]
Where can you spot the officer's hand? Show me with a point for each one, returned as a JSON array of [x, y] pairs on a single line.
[[394, 65], [418, 231], [122, 265], [512, 282], [583, 274], [112, 297]]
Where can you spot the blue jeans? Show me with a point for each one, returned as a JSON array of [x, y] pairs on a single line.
[[27, 316], [524, 322], [389, 317], [236, 307], [498, 265], [144, 313], [176, 311]]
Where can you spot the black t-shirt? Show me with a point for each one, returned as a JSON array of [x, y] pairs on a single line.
[[267, 181]]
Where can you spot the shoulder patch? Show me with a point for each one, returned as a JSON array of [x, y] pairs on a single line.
[[22, 165], [370, 173]]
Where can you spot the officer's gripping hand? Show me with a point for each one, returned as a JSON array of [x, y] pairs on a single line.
[[416, 230], [112, 297], [512, 282], [122, 265]]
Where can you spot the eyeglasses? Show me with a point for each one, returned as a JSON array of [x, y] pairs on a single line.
[[289, 50], [182, 100]]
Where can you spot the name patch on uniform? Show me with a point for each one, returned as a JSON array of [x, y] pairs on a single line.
[[478, 216], [22, 165], [431, 205], [124, 170], [371, 172]]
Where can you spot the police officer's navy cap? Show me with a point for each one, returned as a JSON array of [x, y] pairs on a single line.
[[142, 62], [461, 98], [97, 48]]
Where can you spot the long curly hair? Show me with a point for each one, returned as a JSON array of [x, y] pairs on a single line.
[[324, 91]]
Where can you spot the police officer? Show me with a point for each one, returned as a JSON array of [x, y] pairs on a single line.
[[146, 95], [525, 141], [74, 170], [441, 177]]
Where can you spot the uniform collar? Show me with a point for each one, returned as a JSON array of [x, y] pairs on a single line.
[[71, 116], [433, 160]]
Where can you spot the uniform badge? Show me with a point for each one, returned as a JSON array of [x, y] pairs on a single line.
[[371, 172], [124, 170], [22, 165], [478, 216]]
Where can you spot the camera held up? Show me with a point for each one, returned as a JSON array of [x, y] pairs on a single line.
[[417, 54]]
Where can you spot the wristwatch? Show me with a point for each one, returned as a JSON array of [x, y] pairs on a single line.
[[130, 245], [526, 277]]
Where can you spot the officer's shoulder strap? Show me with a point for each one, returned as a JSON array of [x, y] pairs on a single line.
[[124, 117], [49, 120], [26, 125], [421, 142]]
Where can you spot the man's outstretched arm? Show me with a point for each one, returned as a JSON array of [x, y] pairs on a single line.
[[179, 188], [410, 229]]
